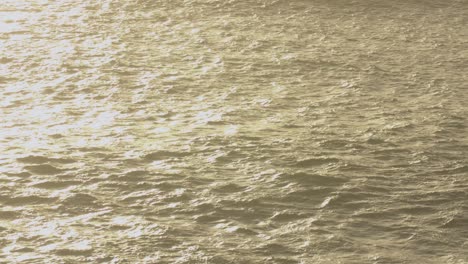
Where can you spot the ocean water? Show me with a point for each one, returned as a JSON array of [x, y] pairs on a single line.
[[234, 131]]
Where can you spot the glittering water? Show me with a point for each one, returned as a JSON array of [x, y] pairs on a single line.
[[241, 131]]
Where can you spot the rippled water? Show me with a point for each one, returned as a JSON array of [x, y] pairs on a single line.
[[240, 131]]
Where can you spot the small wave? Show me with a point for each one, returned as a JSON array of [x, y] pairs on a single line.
[[134, 175], [451, 171], [326, 202], [316, 162], [305, 195], [232, 228], [315, 179], [456, 222], [79, 199], [287, 216]]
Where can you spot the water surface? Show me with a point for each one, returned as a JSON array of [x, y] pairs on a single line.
[[241, 131]]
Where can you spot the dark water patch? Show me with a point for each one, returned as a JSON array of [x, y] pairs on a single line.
[[335, 144], [97, 151], [241, 214], [163, 154], [243, 202], [116, 227], [33, 159], [56, 184], [392, 152], [383, 189], [250, 138], [376, 214], [275, 249], [44, 169], [167, 185], [450, 125], [23, 250], [220, 122], [9, 215], [42, 159], [416, 210], [375, 141], [79, 199], [48, 91], [73, 252], [435, 198], [282, 260], [5, 60], [432, 201], [27, 200], [136, 173], [451, 171], [23, 174], [56, 136], [293, 126], [424, 242], [228, 188]]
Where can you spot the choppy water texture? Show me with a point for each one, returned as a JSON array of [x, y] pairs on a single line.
[[241, 131]]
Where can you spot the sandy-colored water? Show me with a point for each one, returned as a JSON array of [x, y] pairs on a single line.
[[241, 131]]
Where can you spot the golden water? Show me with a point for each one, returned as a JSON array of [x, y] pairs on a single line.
[[240, 131]]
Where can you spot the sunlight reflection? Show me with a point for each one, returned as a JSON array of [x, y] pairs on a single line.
[[9, 21]]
